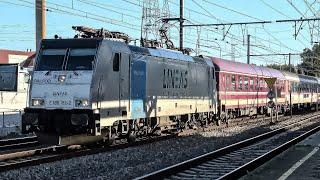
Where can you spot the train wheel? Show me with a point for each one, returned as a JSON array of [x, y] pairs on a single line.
[[218, 122], [111, 140], [227, 121], [131, 137]]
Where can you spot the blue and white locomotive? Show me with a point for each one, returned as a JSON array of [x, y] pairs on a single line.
[[90, 89]]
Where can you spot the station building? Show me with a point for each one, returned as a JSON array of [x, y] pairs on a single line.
[[13, 56], [24, 59]]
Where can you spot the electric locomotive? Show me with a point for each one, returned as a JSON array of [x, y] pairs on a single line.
[[96, 87]]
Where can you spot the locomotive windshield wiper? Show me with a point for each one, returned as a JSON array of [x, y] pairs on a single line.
[[75, 73], [47, 73]]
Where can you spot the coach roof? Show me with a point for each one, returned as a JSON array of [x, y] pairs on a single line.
[[242, 68]]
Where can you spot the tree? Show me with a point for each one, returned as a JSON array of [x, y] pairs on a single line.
[[311, 60], [285, 67]]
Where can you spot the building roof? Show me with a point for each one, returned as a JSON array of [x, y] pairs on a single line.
[[13, 56]]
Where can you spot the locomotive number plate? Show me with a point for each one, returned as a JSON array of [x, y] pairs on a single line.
[[60, 102]]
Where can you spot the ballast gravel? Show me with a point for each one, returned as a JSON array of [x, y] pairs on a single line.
[[136, 161]]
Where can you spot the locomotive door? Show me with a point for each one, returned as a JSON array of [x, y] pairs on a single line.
[[124, 83]]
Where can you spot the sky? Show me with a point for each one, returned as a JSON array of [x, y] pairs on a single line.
[[17, 24]]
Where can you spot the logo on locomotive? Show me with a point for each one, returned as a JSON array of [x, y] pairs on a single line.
[[175, 78]]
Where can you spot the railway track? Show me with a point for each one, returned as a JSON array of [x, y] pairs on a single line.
[[9, 144], [55, 153], [237, 159], [39, 155]]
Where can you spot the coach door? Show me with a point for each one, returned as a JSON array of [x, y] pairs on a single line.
[[212, 85]]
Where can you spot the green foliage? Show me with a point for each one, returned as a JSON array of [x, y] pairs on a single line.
[[311, 61], [281, 67]]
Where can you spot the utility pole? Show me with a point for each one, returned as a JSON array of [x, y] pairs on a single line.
[[290, 62], [248, 49], [181, 20], [40, 21], [290, 87]]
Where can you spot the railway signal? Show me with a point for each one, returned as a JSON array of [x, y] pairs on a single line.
[[271, 104], [272, 95]]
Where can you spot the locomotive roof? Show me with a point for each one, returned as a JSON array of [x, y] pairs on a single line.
[[237, 67], [70, 43], [166, 53]]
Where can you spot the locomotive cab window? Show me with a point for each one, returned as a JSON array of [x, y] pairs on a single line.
[[116, 62], [81, 59], [51, 60]]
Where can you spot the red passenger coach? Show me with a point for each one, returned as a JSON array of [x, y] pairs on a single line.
[[242, 89]]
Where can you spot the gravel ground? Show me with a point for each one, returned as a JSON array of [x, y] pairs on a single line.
[[136, 161]]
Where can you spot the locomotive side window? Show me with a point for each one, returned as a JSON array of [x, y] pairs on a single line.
[[116, 62], [51, 60], [81, 59]]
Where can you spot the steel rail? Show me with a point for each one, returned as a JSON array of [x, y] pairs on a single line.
[[18, 142], [242, 170]]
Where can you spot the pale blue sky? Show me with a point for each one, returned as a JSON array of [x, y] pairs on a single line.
[[17, 23]]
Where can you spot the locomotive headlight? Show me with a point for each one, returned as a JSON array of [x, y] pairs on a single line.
[[61, 78], [37, 102], [81, 102]]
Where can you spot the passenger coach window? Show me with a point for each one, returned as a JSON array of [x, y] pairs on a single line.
[[261, 84], [81, 59], [251, 83], [246, 83], [116, 62], [227, 82], [51, 60], [240, 82], [233, 82]]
